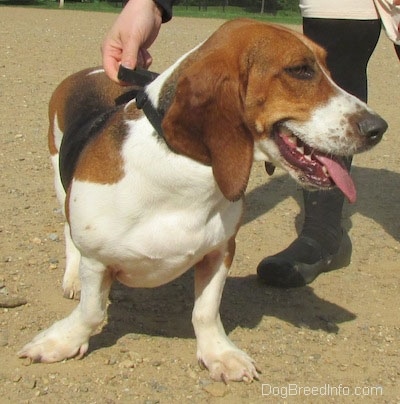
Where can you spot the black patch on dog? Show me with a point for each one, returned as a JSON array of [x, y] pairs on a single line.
[[75, 139]]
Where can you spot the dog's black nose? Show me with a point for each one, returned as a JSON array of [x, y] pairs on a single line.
[[372, 127]]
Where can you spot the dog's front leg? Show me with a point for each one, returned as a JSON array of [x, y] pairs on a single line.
[[69, 337], [214, 349]]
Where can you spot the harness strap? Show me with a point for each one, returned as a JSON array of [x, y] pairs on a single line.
[[142, 77]]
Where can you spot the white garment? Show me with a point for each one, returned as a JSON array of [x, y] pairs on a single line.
[[390, 16], [356, 10], [346, 9]]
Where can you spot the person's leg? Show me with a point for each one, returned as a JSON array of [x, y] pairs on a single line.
[[322, 244]]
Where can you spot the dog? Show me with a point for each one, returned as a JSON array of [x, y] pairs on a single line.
[[150, 193]]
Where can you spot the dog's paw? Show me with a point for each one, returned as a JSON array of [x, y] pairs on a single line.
[[53, 345], [233, 364], [71, 288]]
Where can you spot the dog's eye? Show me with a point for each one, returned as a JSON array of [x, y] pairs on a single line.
[[301, 72]]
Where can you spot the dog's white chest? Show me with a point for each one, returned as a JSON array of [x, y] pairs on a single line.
[[149, 238]]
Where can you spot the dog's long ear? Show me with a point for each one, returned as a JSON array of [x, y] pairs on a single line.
[[205, 122]]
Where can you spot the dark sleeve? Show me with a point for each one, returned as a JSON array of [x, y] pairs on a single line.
[[166, 7]]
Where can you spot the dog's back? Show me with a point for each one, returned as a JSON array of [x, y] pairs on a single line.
[[79, 107]]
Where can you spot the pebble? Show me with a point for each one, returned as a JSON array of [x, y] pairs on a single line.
[[133, 336], [3, 338], [216, 389], [111, 361], [136, 357], [29, 384], [192, 374], [159, 388], [53, 237], [127, 364], [17, 378], [11, 302]]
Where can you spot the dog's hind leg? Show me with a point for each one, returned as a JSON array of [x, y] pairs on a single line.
[[71, 284], [214, 349]]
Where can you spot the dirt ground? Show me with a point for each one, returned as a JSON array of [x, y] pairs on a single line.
[[339, 335]]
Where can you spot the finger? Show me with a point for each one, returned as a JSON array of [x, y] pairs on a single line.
[[111, 61], [130, 53], [146, 58]]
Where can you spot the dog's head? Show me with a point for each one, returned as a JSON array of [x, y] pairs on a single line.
[[263, 92]]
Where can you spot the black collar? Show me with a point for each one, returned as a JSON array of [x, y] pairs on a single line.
[[153, 114], [141, 77]]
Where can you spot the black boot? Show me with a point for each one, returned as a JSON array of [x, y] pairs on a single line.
[[322, 245]]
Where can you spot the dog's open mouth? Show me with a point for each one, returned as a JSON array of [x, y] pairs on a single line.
[[318, 168]]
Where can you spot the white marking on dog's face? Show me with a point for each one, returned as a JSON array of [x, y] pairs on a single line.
[[332, 128]]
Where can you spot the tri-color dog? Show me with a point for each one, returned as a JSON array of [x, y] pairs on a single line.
[[148, 196]]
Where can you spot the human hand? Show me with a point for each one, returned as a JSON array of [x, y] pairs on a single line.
[[131, 35]]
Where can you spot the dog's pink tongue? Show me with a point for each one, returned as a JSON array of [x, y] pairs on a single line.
[[340, 176]]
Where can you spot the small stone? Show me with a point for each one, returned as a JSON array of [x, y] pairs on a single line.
[[3, 338], [127, 364], [136, 357], [29, 384], [17, 378], [10, 301], [133, 336], [216, 389], [53, 237], [192, 374], [36, 240], [159, 388], [331, 327], [111, 361]]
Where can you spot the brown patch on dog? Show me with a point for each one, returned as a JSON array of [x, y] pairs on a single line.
[[101, 161], [131, 113]]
